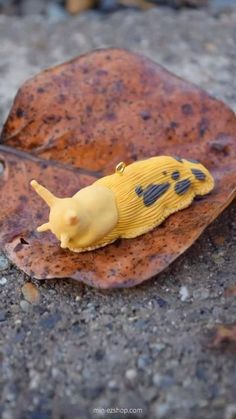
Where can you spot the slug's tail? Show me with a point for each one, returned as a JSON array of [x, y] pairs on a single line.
[[201, 179]]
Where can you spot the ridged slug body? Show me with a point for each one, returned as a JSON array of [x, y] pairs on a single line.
[[128, 203]]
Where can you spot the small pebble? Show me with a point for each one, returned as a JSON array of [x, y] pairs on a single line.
[[2, 316], [7, 414], [218, 259], [230, 411], [108, 5], [34, 379], [131, 375], [161, 410], [4, 263], [184, 293], [31, 293], [112, 385], [201, 294], [161, 302], [163, 381], [159, 347], [56, 12], [25, 306], [156, 379], [143, 361], [3, 281]]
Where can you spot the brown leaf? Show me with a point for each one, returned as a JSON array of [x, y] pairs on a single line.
[[230, 292], [72, 124], [219, 240], [78, 6], [30, 293], [141, 4], [224, 334]]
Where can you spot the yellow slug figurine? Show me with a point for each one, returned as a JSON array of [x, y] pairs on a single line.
[[128, 203]]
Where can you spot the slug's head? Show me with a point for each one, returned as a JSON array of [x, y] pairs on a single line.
[[64, 218]]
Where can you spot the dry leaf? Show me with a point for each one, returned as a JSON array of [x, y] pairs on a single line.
[[219, 240], [30, 293], [72, 124], [230, 292], [141, 4], [224, 334], [78, 6]]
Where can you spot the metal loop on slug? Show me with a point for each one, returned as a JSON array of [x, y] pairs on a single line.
[[120, 168]]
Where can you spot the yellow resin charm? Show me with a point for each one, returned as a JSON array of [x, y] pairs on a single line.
[[128, 203]]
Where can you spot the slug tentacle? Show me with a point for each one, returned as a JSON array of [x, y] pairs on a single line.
[[43, 227], [47, 196], [128, 203]]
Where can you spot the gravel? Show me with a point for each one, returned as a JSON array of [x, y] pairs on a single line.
[[4, 263], [81, 349]]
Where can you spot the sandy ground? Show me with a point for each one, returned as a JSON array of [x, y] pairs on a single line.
[[145, 348]]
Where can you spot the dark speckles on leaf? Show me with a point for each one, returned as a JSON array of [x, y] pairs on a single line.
[[51, 119], [199, 175], [40, 90], [221, 146], [182, 186], [175, 175], [174, 125], [202, 127], [145, 115], [89, 109], [187, 109], [23, 198], [111, 116], [62, 98], [154, 192], [101, 72], [20, 113], [43, 165]]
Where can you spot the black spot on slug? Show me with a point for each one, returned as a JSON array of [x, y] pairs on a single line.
[[153, 192], [178, 159], [182, 186], [175, 175], [199, 175], [193, 161], [139, 190]]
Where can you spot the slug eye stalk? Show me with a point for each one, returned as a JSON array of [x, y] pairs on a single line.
[[44, 193]]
